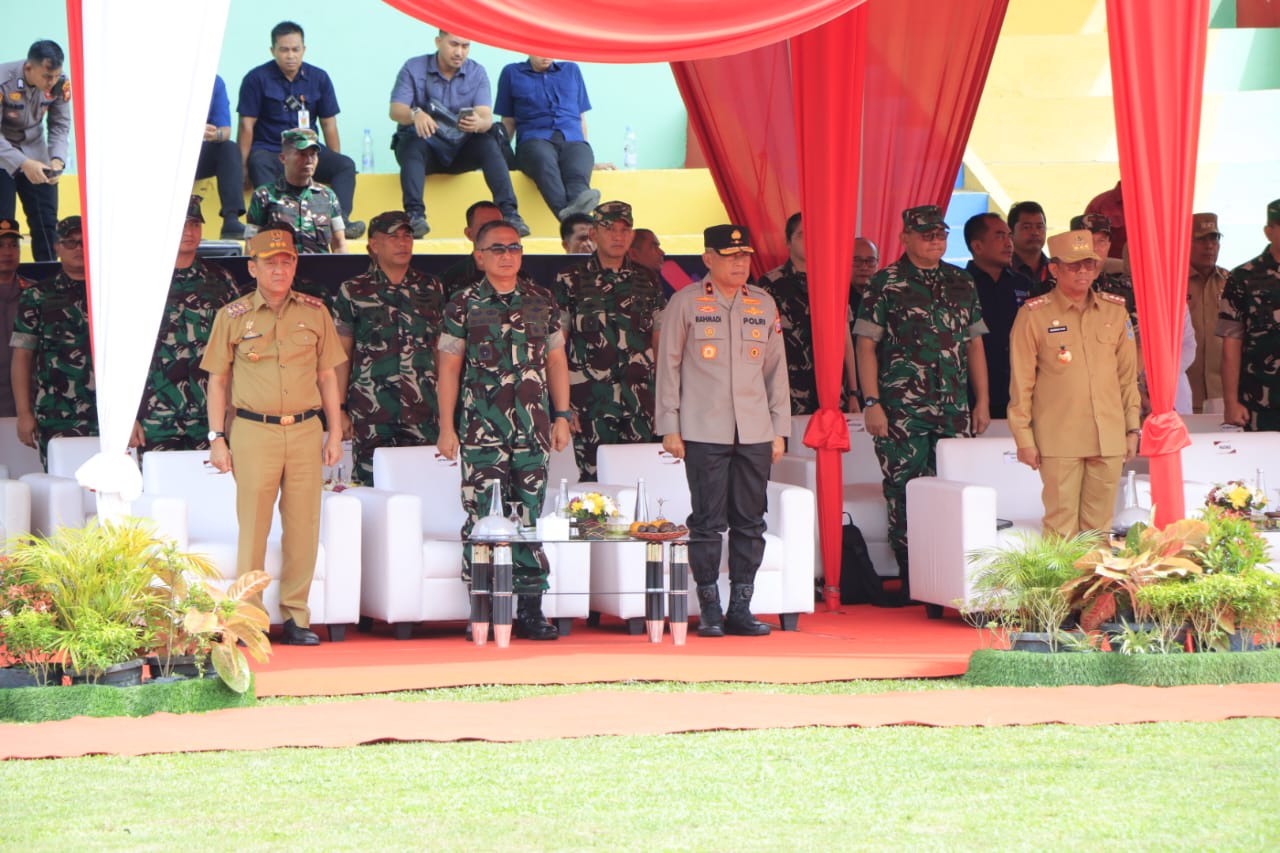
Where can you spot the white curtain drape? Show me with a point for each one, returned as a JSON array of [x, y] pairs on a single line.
[[137, 178]]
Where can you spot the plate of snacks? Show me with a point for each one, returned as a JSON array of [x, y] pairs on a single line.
[[658, 530]]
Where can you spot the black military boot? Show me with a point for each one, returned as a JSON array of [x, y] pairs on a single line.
[[711, 624], [738, 620], [530, 623]]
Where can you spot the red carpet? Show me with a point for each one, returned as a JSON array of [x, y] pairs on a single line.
[[854, 643], [344, 724]]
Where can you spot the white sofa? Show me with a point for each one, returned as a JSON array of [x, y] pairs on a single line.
[[15, 511], [412, 546], [57, 498], [979, 480], [191, 503], [14, 455], [863, 488], [784, 582]]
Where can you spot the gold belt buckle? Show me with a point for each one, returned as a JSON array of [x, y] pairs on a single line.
[[287, 420]]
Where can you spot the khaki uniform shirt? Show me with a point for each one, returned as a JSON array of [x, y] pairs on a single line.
[[722, 367], [24, 114], [1205, 373], [277, 358], [1074, 389]]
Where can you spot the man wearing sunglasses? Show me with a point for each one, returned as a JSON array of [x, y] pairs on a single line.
[[919, 348], [502, 345], [50, 345], [1074, 408]]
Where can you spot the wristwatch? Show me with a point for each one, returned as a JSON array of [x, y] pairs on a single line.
[[214, 434], [415, 111], [567, 415], [868, 402]]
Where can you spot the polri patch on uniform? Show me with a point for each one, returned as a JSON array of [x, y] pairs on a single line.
[[709, 351]]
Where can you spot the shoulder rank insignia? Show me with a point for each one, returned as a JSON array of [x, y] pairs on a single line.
[[1112, 297], [238, 308], [1038, 302], [307, 299]]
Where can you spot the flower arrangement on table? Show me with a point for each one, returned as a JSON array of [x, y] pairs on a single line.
[[1234, 496], [335, 483], [593, 507]]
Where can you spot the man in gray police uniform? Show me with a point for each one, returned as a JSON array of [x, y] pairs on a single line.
[[724, 406]]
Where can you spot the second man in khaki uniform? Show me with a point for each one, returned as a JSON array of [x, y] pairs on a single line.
[[284, 350], [724, 406], [1073, 398]]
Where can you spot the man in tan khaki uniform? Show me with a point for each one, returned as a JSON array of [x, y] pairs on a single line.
[[1204, 290], [1073, 396], [724, 406], [284, 350]]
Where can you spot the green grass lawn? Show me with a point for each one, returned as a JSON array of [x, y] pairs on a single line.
[[1188, 786]]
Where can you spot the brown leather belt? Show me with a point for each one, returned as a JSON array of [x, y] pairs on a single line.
[[282, 420]]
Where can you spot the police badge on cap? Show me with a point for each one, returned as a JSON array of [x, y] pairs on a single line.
[[728, 240], [9, 228]]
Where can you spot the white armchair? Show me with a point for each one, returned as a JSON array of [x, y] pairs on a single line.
[[979, 481], [57, 498], [412, 547], [191, 503], [784, 582], [15, 511], [15, 455]]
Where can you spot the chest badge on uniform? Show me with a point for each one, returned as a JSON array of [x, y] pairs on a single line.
[[707, 309], [253, 356], [710, 331], [755, 333], [755, 352], [709, 350], [1064, 355]]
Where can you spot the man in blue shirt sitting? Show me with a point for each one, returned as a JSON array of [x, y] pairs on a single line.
[[543, 104], [220, 158], [287, 93], [443, 106]]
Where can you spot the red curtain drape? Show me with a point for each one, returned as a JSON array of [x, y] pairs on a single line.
[[740, 109], [622, 31], [828, 121], [927, 64], [1157, 74]]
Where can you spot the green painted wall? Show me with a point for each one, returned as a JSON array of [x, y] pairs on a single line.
[[363, 43]]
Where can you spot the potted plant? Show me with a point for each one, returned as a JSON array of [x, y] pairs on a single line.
[[233, 620], [1020, 586], [175, 651], [1232, 543], [22, 626], [1149, 554]]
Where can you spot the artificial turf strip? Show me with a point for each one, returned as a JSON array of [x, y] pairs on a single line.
[[39, 704], [995, 668]]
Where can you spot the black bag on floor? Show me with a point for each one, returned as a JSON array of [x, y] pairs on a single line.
[[859, 583]]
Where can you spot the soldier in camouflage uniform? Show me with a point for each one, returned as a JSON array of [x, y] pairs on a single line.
[[294, 199], [611, 309], [503, 346], [1249, 325], [388, 320], [919, 344], [465, 273], [51, 348], [172, 415], [11, 287], [789, 287]]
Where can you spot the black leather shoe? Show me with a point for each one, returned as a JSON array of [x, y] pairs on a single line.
[[711, 618], [530, 624], [296, 636]]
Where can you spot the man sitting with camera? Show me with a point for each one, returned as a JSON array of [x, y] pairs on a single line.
[[443, 104]]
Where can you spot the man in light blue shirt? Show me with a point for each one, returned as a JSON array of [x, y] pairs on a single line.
[[442, 104], [543, 104]]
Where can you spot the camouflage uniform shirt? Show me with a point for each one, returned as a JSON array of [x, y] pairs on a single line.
[[1250, 311], [174, 402], [394, 329], [53, 320], [8, 312], [790, 290], [504, 339], [922, 321], [312, 211], [610, 317]]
